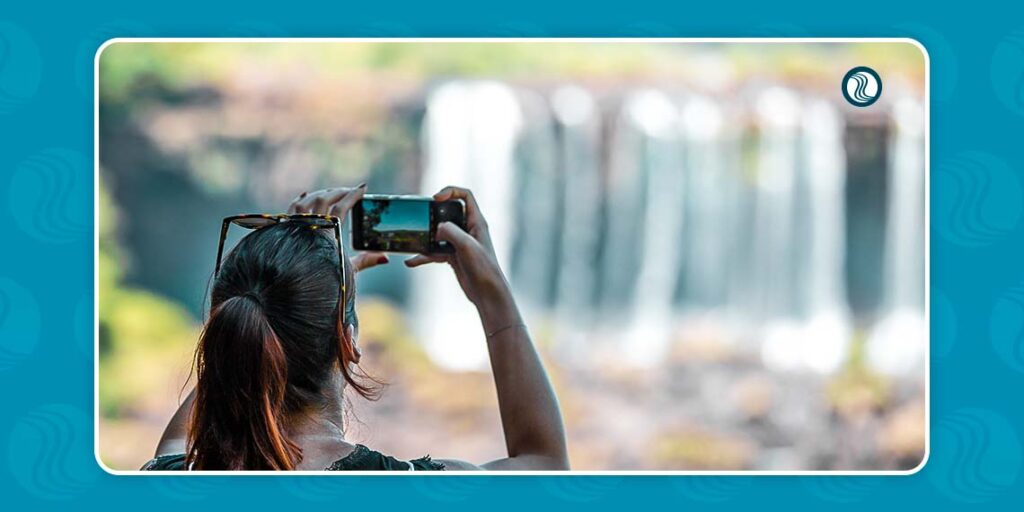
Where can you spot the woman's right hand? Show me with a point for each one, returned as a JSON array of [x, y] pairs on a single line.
[[476, 266]]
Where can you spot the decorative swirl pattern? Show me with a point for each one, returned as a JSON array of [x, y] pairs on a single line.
[[184, 488], [20, 67], [50, 453], [976, 455], [325, 489], [1008, 71], [581, 489], [451, 490], [1006, 328], [978, 199], [841, 489], [943, 76], [711, 489], [51, 195], [19, 323], [87, 48]]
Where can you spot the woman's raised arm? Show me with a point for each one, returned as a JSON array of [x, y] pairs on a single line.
[[530, 416]]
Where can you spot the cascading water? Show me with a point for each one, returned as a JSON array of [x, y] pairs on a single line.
[[578, 157], [777, 115], [655, 117], [705, 207], [538, 205], [898, 344], [827, 326], [685, 227], [470, 133]]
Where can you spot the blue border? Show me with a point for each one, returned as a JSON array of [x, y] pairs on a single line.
[[977, 197]]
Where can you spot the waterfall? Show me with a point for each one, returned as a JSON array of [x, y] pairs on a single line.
[[777, 115], [470, 132], [538, 205], [658, 221], [811, 328], [898, 344], [705, 208], [579, 159], [827, 326], [676, 227]]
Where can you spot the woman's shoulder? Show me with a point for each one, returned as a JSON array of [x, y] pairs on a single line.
[[359, 459]]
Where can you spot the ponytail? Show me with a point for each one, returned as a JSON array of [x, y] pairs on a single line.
[[237, 421]]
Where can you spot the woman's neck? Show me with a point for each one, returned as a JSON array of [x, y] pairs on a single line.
[[320, 431], [321, 437], [318, 423]]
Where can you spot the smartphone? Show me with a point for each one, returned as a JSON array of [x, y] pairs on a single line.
[[403, 223]]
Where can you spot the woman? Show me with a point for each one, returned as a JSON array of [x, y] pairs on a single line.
[[280, 347]]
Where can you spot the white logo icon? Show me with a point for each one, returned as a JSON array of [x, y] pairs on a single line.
[[862, 86]]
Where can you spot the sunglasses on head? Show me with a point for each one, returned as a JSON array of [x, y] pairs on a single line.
[[254, 221]]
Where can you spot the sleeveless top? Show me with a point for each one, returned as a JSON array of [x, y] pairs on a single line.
[[361, 459]]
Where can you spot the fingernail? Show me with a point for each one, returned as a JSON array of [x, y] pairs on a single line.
[[362, 185], [382, 260], [302, 195]]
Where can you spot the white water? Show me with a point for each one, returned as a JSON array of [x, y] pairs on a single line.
[[690, 230], [898, 343], [577, 114], [469, 135]]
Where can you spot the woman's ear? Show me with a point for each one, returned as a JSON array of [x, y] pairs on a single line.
[[350, 339]]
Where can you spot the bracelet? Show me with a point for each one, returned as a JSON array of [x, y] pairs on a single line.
[[507, 327]]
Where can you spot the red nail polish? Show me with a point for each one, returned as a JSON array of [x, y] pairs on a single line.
[[382, 260], [302, 195]]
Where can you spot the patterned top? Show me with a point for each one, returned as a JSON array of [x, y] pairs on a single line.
[[361, 459]]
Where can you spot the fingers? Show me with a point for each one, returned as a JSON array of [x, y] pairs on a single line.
[[451, 233], [365, 260], [341, 204], [329, 201], [473, 215], [423, 259], [454, 235], [305, 203], [293, 207]]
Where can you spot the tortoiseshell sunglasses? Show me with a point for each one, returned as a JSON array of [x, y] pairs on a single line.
[[256, 221]]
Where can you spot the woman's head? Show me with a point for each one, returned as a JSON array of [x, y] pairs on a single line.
[[278, 340]]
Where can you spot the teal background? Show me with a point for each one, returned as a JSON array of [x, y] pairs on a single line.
[[46, 261]]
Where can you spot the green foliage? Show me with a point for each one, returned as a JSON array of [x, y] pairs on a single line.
[[176, 65], [144, 338]]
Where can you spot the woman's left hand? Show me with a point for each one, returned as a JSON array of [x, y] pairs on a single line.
[[337, 202]]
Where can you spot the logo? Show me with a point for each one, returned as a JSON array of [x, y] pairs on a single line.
[[862, 86]]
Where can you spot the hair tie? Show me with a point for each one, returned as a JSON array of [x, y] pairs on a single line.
[[253, 296]]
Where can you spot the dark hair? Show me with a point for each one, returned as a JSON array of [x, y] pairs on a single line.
[[274, 335]]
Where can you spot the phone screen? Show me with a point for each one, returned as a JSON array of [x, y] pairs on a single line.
[[396, 225], [402, 224]]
